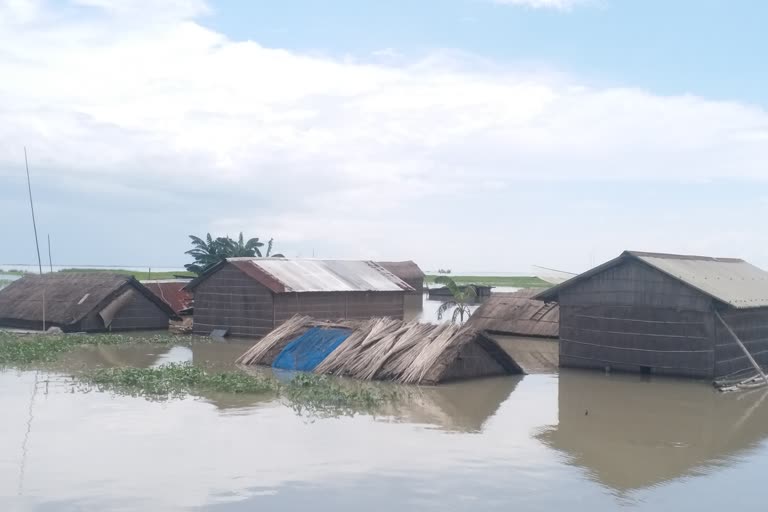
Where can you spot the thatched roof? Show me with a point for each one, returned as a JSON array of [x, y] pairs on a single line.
[[517, 313], [68, 296], [388, 349]]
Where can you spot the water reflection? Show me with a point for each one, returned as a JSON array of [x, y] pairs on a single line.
[[632, 433]]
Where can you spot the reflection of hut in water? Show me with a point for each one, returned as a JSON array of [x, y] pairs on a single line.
[[664, 313], [525, 327], [630, 433], [91, 302], [455, 406]]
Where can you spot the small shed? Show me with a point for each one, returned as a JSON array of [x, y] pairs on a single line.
[[248, 297], [664, 313], [409, 272], [82, 302]]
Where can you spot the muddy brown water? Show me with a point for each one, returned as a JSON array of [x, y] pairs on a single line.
[[575, 441]]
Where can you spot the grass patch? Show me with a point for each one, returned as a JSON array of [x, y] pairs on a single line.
[[26, 349], [511, 281], [138, 274]]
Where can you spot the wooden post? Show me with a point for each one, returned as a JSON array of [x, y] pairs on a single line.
[[746, 352]]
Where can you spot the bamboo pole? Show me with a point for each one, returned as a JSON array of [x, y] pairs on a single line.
[[741, 345]]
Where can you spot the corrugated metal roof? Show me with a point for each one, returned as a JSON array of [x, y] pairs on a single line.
[[299, 275], [172, 292], [729, 280], [732, 281]]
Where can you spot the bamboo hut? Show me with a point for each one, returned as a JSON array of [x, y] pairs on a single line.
[[664, 313], [82, 302], [525, 328], [410, 273], [381, 349], [249, 297], [517, 314]]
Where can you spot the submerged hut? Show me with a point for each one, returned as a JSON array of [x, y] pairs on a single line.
[[381, 349], [664, 313], [524, 327], [443, 292], [517, 314], [82, 302], [409, 272], [251, 296]]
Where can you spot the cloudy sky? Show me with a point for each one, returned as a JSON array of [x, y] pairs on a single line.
[[483, 135]]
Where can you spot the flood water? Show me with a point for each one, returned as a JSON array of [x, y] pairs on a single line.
[[573, 441]]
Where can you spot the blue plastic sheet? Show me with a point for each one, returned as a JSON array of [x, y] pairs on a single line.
[[308, 350]]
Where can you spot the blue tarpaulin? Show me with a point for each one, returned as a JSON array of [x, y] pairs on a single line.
[[308, 350]]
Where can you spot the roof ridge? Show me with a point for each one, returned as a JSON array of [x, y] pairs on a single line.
[[666, 255]]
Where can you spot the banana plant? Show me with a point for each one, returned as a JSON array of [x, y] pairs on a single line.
[[460, 301]]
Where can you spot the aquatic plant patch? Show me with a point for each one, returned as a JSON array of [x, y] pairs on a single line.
[[175, 380], [318, 395], [25, 349]]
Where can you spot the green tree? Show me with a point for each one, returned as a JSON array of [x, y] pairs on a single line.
[[462, 297], [210, 251]]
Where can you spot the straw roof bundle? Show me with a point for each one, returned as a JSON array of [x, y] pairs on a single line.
[[269, 347], [383, 349]]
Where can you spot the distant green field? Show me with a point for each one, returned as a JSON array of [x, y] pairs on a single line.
[[138, 274], [511, 281]]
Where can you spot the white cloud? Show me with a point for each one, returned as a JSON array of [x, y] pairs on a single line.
[[333, 147], [544, 4]]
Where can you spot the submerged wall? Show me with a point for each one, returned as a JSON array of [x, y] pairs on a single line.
[[633, 318]]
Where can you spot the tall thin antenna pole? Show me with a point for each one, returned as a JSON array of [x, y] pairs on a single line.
[[50, 260], [32, 207]]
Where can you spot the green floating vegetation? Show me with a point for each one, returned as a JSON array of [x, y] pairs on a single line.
[[174, 380], [317, 395], [26, 349], [325, 395], [511, 281]]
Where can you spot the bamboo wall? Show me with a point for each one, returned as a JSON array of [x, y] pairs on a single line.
[[631, 317], [339, 305], [751, 326], [228, 299]]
